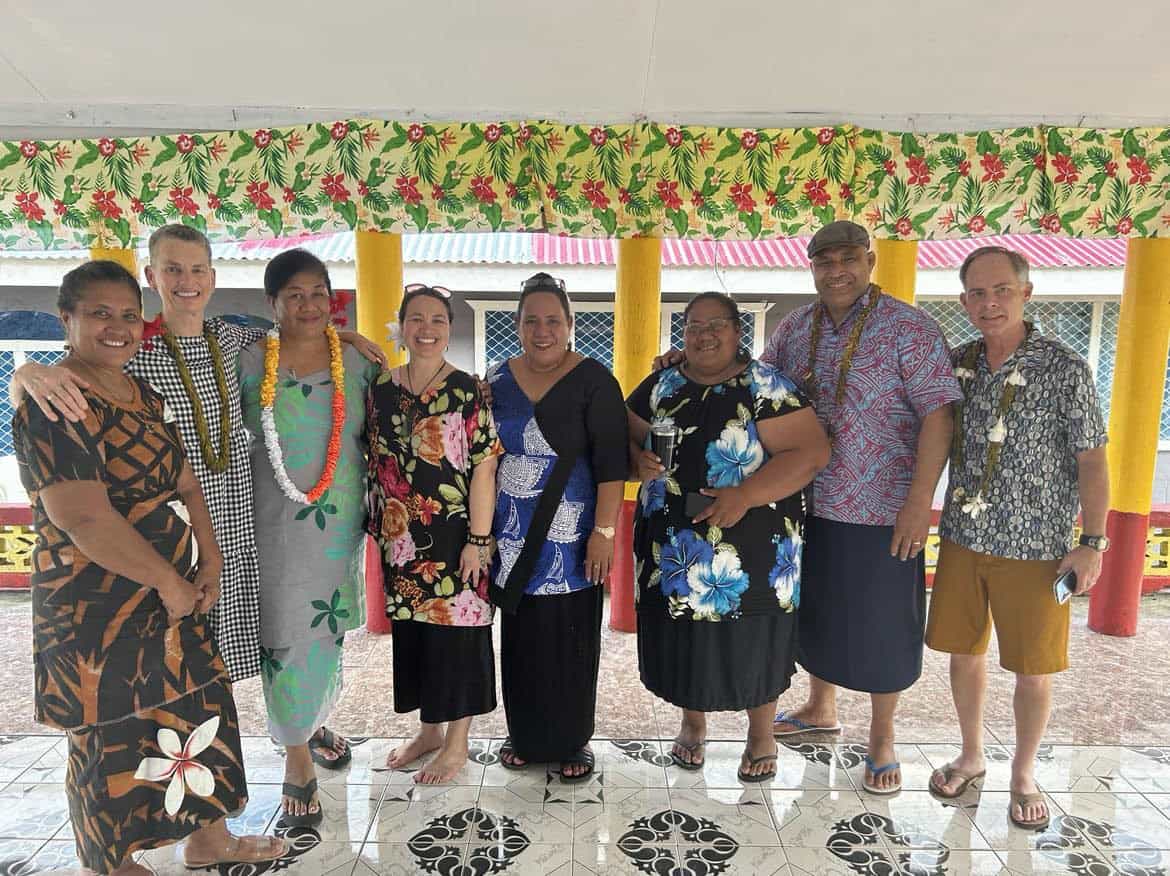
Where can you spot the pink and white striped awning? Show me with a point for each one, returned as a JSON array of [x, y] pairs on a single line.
[[1041, 251]]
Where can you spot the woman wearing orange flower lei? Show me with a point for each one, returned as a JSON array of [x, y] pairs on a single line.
[[303, 399]]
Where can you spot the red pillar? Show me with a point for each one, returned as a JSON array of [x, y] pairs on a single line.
[[1113, 608], [376, 620], [622, 616]]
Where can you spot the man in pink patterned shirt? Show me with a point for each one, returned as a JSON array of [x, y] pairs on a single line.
[[880, 377]]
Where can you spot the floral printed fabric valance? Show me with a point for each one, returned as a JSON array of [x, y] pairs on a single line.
[[584, 180]]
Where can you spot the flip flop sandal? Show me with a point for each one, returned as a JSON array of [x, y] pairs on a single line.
[[325, 740], [875, 771], [241, 842], [801, 726], [949, 774], [581, 756], [692, 750], [752, 761], [304, 794], [507, 749], [1023, 800]]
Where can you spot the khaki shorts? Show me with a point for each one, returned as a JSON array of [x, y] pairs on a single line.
[[1031, 628]]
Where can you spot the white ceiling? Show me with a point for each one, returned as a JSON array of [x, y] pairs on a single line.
[[67, 66]]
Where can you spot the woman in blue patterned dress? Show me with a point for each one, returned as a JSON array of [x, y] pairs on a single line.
[[563, 426], [719, 534]]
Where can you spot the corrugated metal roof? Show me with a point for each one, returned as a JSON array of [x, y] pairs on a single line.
[[544, 249]]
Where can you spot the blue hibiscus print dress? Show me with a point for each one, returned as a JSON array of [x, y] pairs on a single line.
[[704, 573]]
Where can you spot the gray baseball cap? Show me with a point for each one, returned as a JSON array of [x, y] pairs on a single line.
[[839, 233]]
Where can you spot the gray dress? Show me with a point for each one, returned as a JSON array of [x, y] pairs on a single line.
[[311, 556]]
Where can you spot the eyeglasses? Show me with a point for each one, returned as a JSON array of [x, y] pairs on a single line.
[[415, 288], [542, 281], [711, 326]]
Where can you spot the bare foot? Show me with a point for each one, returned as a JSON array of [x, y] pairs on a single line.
[[443, 767], [427, 739]]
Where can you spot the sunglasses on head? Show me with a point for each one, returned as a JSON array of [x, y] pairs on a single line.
[[414, 288], [542, 281]]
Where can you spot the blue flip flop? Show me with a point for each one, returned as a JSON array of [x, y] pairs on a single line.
[[801, 726], [875, 771]]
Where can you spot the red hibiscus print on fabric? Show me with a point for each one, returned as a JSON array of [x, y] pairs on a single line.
[[697, 198], [59, 207], [104, 201], [481, 187], [213, 202], [415, 133], [362, 188], [524, 134], [181, 199], [594, 192], [1111, 168], [1140, 170], [903, 227], [29, 149], [816, 193], [26, 202], [976, 224], [992, 164], [825, 136], [674, 138], [1051, 223], [623, 195], [257, 193], [289, 195], [919, 170], [964, 167], [889, 167], [262, 138], [1125, 225], [437, 193], [598, 136], [339, 130], [668, 193], [106, 147], [407, 188], [741, 196], [334, 186], [136, 206], [184, 143], [749, 140], [845, 193], [511, 191], [551, 192], [1066, 169], [1040, 161], [493, 132]]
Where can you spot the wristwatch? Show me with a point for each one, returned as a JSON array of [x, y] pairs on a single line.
[[604, 531], [1099, 543]]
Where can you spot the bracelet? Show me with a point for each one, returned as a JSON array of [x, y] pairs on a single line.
[[479, 540]]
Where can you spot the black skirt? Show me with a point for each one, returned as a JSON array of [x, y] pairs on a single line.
[[550, 650], [446, 672], [716, 666], [862, 612]]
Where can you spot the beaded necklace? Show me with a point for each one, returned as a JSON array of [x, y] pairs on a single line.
[[810, 380], [217, 462]]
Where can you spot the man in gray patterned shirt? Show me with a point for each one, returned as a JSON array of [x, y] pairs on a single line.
[[1029, 448]]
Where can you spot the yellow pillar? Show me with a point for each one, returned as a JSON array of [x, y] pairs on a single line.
[[1139, 374], [125, 257], [897, 267], [637, 309], [379, 287]]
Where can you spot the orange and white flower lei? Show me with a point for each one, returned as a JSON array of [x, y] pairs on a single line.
[[268, 419]]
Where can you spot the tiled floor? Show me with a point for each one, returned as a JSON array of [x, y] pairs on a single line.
[[1106, 774]]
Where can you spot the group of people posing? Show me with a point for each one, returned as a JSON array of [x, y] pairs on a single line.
[[203, 493]]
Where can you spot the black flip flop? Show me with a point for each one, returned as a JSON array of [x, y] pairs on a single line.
[[304, 794], [691, 765], [506, 746], [752, 761], [324, 740], [581, 756]]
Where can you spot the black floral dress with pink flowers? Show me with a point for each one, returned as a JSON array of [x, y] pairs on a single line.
[[423, 455]]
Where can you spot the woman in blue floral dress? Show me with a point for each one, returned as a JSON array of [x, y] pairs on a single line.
[[718, 535]]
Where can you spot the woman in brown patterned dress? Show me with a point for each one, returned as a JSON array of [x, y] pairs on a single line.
[[123, 657]]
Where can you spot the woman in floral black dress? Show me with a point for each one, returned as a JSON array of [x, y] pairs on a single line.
[[432, 479]]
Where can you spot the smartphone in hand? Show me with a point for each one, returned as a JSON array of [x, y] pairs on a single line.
[[1064, 587]]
